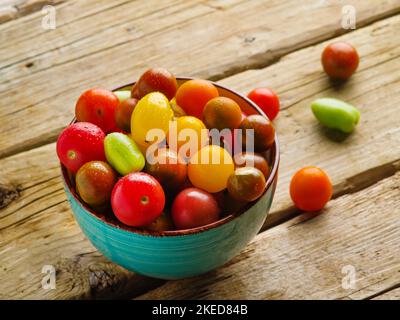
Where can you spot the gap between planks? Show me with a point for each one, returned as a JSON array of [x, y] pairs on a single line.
[[391, 294]]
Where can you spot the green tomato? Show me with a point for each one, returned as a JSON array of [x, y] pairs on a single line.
[[336, 114], [122, 95], [123, 154]]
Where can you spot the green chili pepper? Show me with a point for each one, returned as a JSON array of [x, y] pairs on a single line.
[[122, 95], [122, 153], [336, 114]]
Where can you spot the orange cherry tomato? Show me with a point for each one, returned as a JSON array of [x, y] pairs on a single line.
[[193, 95], [310, 189]]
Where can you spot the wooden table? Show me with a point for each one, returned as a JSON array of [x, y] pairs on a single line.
[[350, 250]]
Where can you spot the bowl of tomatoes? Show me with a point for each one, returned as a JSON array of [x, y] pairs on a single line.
[[182, 200]]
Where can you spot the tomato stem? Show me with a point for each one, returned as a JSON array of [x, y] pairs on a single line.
[[71, 154], [144, 200]]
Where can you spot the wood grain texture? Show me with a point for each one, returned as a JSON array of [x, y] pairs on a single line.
[[304, 258], [107, 43], [352, 161], [390, 295], [13, 9], [36, 201], [7, 13]]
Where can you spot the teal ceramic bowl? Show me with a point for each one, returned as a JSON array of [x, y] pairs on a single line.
[[183, 253]]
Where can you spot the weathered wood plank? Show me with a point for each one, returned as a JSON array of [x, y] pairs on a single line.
[[12, 9], [390, 295], [93, 49], [7, 13], [311, 257], [38, 229], [373, 150], [353, 161]]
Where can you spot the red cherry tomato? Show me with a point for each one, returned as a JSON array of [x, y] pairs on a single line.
[[193, 208], [137, 199], [79, 143], [340, 60], [267, 100], [97, 106]]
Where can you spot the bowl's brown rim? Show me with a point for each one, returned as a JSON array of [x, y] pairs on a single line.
[[226, 219]]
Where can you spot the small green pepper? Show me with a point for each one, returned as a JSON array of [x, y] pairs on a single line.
[[336, 114], [122, 153], [122, 95]]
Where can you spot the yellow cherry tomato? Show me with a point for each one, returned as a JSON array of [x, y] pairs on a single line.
[[153, 111], [189, 132], [178, 111], [210, 168]]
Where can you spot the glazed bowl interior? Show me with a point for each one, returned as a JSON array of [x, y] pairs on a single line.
[[272, 156]]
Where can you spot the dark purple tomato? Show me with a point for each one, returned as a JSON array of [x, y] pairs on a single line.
[[246, 184], [250, 159], [259, 130], [123, 114], [168, 168], [94, 182], [156, 80]]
